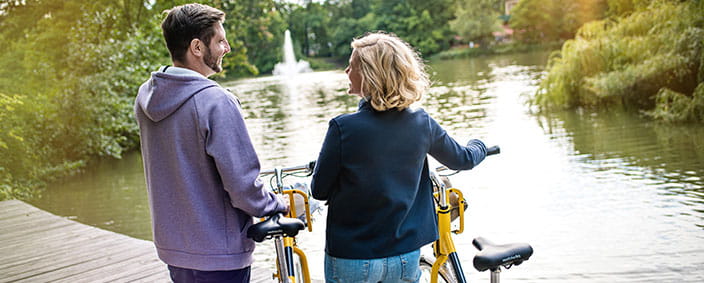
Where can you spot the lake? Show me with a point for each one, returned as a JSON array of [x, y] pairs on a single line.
[[602, 196]]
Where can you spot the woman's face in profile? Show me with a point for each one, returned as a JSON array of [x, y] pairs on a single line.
[[354, 75]]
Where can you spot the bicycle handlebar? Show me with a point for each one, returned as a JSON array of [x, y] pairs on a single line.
[[493, 150], [306, 168]]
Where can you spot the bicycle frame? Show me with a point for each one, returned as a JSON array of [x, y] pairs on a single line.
[[286, 246], [444, 247]]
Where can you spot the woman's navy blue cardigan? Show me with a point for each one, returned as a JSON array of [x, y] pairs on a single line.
[[373, 172]]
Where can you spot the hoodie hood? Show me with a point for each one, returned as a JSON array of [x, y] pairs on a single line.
[[164, 93]]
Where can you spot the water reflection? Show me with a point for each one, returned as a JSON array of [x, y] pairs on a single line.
[[109, 194], [287, 119], [665, 156]]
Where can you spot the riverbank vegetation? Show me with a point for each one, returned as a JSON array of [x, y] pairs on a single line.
[[68, 74], [648, 57], [497, 49]]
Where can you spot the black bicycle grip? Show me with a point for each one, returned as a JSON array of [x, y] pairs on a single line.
[[493, 150]]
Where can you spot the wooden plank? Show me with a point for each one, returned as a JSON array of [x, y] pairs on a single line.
[[135, 270], [51, 238], [10, 204], [51, 242], [37, 246], [30, 226], [40, 246], [26, 219], [141, 261], [75, 271], [11, 208], [56, 266], [74, 247], [27, 255]]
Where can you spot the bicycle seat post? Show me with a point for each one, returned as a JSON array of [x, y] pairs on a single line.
[[281, 258], [496, 275]]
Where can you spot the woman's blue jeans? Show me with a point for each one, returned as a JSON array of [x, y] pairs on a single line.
[[400, 268]]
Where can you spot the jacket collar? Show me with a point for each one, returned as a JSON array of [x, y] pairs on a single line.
[[364, 104]]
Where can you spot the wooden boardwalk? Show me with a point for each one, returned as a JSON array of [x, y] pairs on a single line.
[[37, 246]]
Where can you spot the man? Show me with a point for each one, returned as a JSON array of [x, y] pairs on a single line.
[[200, 165]]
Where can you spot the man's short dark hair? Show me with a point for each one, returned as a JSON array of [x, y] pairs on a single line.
[[186, 22]]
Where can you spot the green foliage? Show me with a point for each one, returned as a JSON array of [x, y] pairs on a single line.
[[424, 24], [349, 28], [625, 7], [551, 20], [476, 19], [72, 69], [326, 29], [255, 29], [673, 106], [8, 105], [309, 25], [325, 63], [650, 58]]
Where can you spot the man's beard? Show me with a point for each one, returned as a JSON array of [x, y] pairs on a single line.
[[211, 61]]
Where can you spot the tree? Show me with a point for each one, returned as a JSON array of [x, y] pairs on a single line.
[[71, 69], [532, 20], [476, 19], [309, 26], [551, 20], [352, 19], [255, 29], [424, 24]]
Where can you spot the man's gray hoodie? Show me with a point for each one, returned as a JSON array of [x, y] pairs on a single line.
[[201, 172]]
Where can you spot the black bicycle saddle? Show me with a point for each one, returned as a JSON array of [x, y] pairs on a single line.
[[277, 224], [491, 256]]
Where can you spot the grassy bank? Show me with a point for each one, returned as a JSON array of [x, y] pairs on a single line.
[[326, 63], [495, 49]]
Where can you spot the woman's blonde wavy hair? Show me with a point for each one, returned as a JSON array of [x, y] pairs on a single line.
[[393, 74]]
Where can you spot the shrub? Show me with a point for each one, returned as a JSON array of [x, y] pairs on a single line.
[[649, 53]]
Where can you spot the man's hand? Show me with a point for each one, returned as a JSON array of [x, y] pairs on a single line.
[[285, 199]]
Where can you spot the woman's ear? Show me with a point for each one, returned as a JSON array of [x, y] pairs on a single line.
[[196, 47]]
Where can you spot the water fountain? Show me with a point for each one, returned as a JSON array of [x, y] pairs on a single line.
[[290, 66]]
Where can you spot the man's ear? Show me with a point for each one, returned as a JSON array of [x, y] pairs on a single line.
[[196, 47]]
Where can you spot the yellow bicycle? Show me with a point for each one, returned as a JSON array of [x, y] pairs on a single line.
[[450, 205], [291, 261]]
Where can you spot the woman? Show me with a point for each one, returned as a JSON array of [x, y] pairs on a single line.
[[373, 170]]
